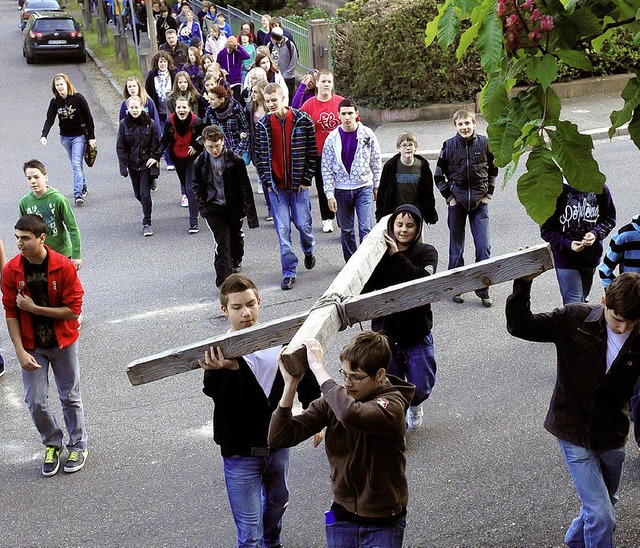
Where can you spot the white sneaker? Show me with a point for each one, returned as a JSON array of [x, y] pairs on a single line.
[[171, 168], [414, 416], [184, 202], [260, 189], [327, 225]]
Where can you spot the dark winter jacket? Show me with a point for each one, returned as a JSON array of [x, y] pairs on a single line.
[[576, 214], [231, 118], [589, 406], [465, 170], [137, 140], [150, 86], [242, 411], [385, 202], [303, 150], [168, 137], [237, 188], [417, 261]]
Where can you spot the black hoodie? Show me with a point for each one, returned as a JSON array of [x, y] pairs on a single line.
[[417, 261]]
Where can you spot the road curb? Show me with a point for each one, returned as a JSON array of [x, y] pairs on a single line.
[[100, 65]]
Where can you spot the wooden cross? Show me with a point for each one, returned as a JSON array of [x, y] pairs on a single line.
[[342, 305]]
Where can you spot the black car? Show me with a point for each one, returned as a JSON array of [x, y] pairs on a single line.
[[30, 6], [53, 35]]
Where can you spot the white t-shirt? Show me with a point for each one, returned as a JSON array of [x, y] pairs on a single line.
[[615, 342], [264, 366]]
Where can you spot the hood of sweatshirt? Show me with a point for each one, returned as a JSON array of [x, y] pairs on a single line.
[[411, 210]]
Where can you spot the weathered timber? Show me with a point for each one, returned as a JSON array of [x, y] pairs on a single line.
[[448, 283], [327, 320], [185, 358], [324, 322]]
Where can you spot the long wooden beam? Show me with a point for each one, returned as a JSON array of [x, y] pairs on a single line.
[[357, 308]]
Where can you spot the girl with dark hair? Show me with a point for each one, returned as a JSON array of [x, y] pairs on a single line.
[[183, 87], [76, 126], [274, 76], [193, 67], [227, 113], [158, 86]]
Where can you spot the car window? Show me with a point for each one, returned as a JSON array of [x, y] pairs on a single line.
[[53, 25], [42, 5]]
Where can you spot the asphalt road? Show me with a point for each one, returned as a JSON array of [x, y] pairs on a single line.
[[482, 470]]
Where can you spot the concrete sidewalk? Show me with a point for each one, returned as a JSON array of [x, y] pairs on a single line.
[[587, 103]]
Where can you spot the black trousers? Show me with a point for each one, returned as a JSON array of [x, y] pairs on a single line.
[[141, 182], [229, 239]]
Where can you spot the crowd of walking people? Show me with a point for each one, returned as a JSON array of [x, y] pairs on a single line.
[[214, 104]]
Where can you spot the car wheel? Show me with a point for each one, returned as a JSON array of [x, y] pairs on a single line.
[[30, 59], [82, 58]]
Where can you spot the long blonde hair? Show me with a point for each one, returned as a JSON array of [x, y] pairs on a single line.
[[71, 90], [142, 93]]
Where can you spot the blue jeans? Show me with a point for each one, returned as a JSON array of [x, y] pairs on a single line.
[[596, 476], [575, 284], [344, 534], [288, 206], [258, 496], [350, 202], [66, 372], [417, 364], [479, 224], [75, 150]]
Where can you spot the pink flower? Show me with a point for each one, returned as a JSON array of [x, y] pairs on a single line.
[[501, 8], [511, 20], [535, 14], [546, 23], [527, 4]]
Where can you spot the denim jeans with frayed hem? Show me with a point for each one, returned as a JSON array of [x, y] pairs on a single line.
[[75, 150], [344, 534], [66, 372], [258, 496], [289, 206], [596, 476], [417, 364], [354, 202]]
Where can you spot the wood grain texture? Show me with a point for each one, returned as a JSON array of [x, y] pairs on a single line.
[[324, 322], [185, 358], [448, 283]]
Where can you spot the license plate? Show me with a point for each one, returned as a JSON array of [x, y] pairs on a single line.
[[56, 42]]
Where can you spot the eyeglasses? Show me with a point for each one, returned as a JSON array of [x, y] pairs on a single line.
[[351, 377], [407, 145]]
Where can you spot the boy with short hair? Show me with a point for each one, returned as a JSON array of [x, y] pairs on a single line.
[[409, 332], [223, 190], [63, 234], [351, 167], [407, 179], [364, 440], [465, 175], [598, 364], [245, 392], [42, 298]]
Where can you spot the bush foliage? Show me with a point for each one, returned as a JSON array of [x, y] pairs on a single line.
[[380, 59]]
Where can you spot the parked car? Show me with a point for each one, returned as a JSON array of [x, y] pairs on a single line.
[[53, 35], [30, 6]]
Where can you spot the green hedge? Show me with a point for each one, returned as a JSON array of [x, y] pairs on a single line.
[[379, 57]]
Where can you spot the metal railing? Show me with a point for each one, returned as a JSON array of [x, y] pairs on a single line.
[[236, 17]]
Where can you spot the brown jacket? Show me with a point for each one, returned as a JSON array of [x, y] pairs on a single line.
[[364, 444]]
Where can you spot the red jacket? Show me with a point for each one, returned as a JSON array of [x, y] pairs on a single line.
[[65, 289]]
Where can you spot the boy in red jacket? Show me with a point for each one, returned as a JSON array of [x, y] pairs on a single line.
[[42, 298]]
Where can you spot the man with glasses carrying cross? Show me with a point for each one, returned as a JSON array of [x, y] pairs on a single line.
[[365, 440]]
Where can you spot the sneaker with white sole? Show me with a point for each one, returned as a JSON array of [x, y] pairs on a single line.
[[193, 229], [146, 231], [327, 225], [51, 462], [76, 461], [171, 168], [184, 201], [415, 416]]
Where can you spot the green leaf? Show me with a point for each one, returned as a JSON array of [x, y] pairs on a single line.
[[467, 38], [490, 41], [531, 68], [432, 27], [631, 96], [540, 186], [598, 42], [502, 138], [573, 152], [547, 70], [493, 97], [508, 172], [448, 25], [574, 58], [634, 127]]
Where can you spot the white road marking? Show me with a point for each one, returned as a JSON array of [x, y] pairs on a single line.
[[165, 312]]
